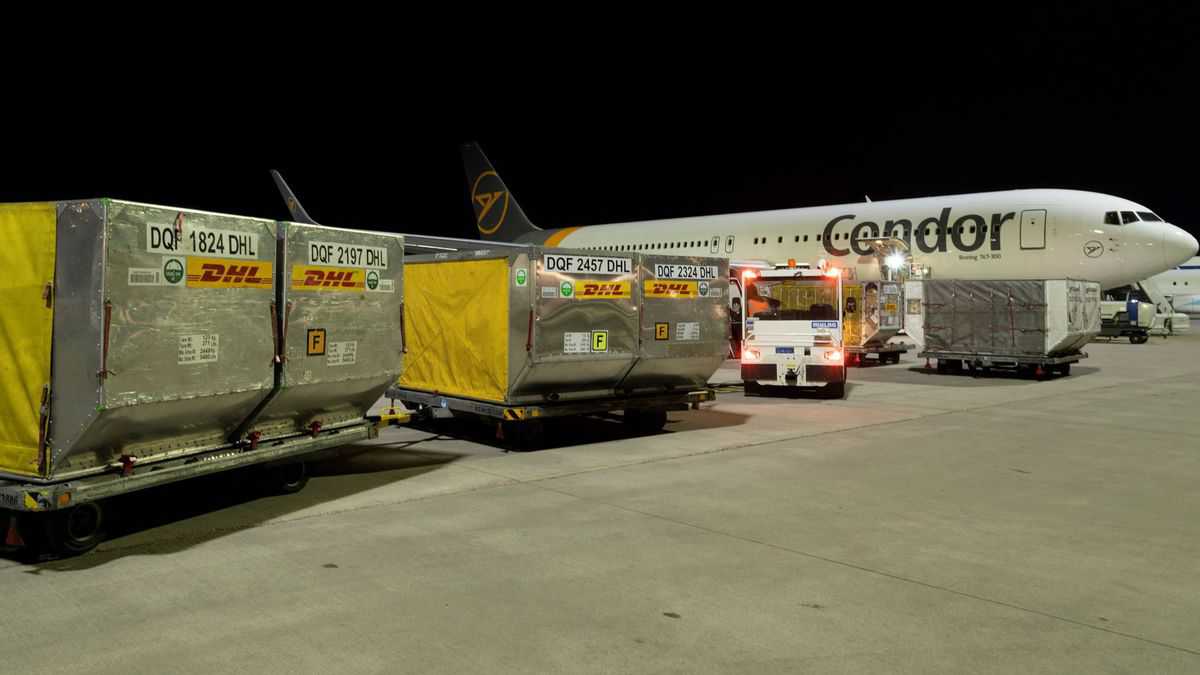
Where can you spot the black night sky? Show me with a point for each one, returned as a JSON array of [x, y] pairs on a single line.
[[802, 111]]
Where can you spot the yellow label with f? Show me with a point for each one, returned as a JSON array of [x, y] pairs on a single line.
[[226, 273], [587, 289], [317, 278], [668, 288]]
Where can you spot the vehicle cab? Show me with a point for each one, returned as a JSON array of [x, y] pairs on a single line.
[[792, 330]]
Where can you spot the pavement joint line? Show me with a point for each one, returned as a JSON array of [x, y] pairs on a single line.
[[882, 573]]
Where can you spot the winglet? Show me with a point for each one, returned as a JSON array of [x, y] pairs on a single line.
[[293, 205]]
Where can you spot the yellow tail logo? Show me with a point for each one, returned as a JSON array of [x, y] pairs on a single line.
[[485, 193], [486, 201]]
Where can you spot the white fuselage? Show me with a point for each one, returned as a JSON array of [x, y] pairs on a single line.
[[1181, 286], [1016, 234]]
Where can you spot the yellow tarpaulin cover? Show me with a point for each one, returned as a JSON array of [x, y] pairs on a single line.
[[456, 327], [27, 259]]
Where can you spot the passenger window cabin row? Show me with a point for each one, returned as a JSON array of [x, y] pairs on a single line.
[[657, 246], [1110, 218], [701, 246]]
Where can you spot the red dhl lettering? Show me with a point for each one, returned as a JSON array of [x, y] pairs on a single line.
[[214, 273], [663, 288], [607, 290], [327, 279], [314, 278], [232, 274], [671, 289]]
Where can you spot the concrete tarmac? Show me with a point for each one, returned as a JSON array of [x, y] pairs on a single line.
[[926, 524]]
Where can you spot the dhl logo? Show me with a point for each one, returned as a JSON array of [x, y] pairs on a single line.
[[661, 288], [224, 273], [314, 278], [601, 290]]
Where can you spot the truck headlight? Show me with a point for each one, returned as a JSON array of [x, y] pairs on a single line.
[[751, 355], [833, 355]]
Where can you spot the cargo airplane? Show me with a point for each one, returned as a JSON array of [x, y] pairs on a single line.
[[1015, 234]]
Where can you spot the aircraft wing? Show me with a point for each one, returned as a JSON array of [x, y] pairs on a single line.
[[421, 243]]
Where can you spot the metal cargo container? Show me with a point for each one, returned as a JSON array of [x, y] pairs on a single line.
[[684, 322], [150, 332], [343, 300], [873, 312], [1034, 318], [146, 344], [519, 324]]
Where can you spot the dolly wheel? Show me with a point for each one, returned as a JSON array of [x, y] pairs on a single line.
[[646, 421], [289, 478], [76, 530], [1138, 339], [524, 435]]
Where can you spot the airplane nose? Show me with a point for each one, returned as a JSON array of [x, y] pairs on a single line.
[[1178, 246]]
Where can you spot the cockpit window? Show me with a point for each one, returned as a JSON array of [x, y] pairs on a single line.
[[1128, 217], [1149, 217], [1112, 218]]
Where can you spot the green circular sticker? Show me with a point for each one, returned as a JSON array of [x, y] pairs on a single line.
[[173, 271], [566, 289], [372, 279]]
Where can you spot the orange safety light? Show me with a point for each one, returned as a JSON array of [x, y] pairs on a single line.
[[749, 274], [791, 263]]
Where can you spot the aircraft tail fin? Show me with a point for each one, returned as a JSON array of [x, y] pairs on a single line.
[[293, 205], [497, 214]]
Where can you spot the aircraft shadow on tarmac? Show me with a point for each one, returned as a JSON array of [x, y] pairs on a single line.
[[176, 517]]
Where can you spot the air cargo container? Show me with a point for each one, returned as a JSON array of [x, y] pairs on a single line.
[[520, 334], [1035, 326], [342, 337], [684, 322], [872, 315], [147, 344]]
